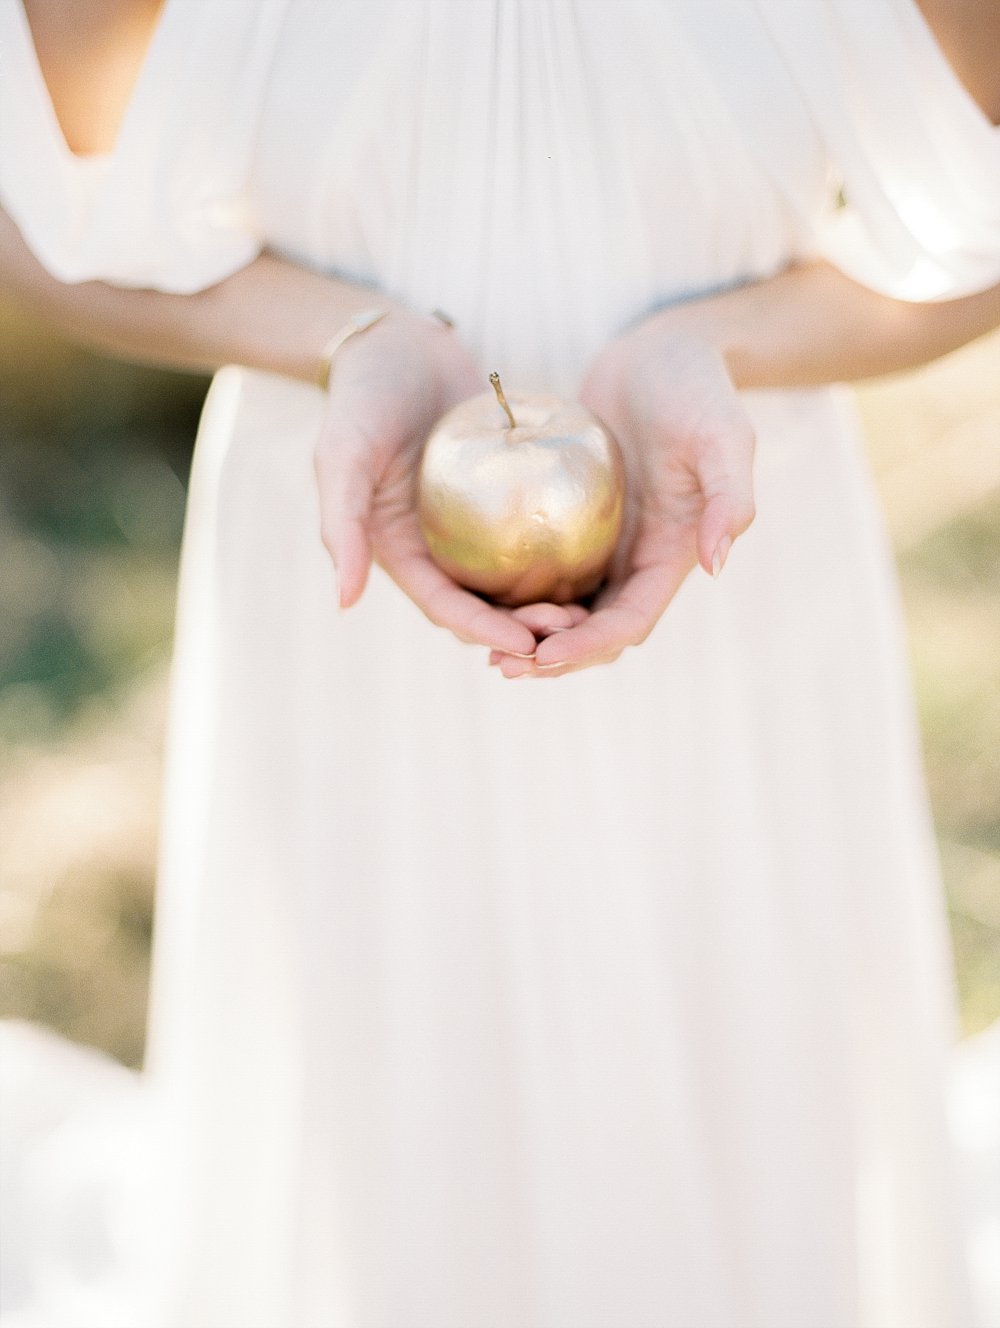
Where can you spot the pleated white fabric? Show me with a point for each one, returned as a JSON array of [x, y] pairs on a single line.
[[622, 999], [917, 160], [173, 216]]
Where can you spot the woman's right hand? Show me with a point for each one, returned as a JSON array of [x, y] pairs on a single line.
[[688, 445], [389, 386]]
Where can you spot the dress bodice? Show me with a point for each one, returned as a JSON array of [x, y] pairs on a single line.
[[544, 171]]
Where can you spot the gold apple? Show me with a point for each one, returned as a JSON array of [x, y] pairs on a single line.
[[522, 502]]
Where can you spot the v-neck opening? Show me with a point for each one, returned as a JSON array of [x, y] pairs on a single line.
[[84, 160]]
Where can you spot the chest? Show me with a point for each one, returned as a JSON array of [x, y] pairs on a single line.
[[468, 152]]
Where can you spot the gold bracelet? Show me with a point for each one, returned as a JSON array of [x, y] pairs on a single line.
[[361, 322]]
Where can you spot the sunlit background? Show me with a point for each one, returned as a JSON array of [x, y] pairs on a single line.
[[93, 464]]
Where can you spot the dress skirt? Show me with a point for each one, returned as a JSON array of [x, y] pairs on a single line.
[[618, 998]]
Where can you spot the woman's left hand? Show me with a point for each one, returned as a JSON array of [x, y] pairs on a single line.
[[688, 447]]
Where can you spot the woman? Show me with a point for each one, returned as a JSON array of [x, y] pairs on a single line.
[[621, 1000]]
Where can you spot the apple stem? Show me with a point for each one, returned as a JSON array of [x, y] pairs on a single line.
[[495, 380]]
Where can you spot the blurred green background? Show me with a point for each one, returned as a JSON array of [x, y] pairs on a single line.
[[93, 464]]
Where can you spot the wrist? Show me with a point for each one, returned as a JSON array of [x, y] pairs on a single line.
[[708, 326], [361, 321], [356, 325]]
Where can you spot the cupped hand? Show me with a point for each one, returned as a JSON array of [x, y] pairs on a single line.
[[688, 447], [389, 386]]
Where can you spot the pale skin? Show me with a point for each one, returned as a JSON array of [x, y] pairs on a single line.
[[669, 386]]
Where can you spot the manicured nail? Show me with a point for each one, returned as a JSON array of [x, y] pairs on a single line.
[[516, 654], [720, 555]]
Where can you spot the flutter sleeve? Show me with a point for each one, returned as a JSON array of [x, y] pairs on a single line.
[[916, 159], [168, 207]]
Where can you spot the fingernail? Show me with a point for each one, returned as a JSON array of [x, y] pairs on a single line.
[[557, 665], [516, 654], [720, 555]]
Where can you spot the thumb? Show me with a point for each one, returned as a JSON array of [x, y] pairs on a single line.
[[727, 482], [346, 493]]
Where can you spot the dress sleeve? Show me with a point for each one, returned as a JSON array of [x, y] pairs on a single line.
[[916, 159], [168, 207]]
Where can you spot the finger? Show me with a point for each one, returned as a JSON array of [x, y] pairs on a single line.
[[576, 612], [544, 619], [625, 618], [353, 561], [574, 615], [562, 670], [543, 623], [448, 605], [510, 667], [497, 655], [347, 486], [725, 473]]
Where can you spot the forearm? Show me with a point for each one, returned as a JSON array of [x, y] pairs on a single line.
[[812, 325], [272, 315]]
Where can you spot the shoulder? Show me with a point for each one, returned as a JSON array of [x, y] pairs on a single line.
[[90, 53], [968, 32]]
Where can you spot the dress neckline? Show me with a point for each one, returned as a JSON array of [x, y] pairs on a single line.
[[36, 77], [968, 106]]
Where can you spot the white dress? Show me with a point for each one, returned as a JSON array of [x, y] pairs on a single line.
[[618, 1001]]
